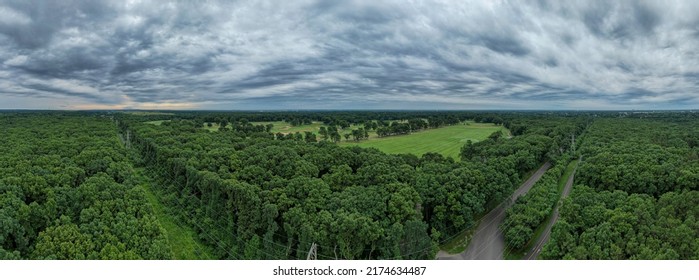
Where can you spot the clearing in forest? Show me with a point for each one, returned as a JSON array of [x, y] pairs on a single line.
[[445, 140], [183, 240]]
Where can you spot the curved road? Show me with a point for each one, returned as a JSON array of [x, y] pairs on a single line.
[[488, 243], [533, 254]]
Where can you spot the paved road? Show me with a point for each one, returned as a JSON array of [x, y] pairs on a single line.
[[533, 254], [488, 243]]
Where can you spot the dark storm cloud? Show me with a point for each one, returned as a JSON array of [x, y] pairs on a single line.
[[350, 54]]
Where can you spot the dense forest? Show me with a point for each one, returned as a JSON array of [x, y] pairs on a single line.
[[637, 196], [69, 189]]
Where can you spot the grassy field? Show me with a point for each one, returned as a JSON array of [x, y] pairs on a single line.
[[446, 140]]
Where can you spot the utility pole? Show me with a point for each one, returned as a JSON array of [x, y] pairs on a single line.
[[312, 253]]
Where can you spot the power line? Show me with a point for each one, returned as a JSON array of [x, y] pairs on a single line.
[[314, 246]]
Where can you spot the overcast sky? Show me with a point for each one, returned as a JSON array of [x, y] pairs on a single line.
[[349, 54]]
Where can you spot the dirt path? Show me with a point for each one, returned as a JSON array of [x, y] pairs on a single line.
[[488, 242], [533, 254]]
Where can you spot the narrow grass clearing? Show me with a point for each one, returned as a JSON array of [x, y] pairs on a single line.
[[446, 140], [566, 174], [183, 240]]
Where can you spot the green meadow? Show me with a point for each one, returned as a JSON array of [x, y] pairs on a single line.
[[445, 140]]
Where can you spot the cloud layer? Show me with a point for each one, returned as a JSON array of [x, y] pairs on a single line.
[[349, 54]]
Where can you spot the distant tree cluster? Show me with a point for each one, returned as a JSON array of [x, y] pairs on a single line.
[[330, 133], [384, 129], [299, 121], [395, 128]]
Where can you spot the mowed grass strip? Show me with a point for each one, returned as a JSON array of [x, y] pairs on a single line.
[[445, 140]]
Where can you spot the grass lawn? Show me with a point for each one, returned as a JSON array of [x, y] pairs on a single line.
[[445, 140]]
